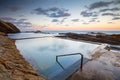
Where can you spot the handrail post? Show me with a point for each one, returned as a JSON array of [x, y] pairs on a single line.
[[81, 62]]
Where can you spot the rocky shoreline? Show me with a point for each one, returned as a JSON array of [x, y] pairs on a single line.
[[104, 63], [12, 65], [113, 40]]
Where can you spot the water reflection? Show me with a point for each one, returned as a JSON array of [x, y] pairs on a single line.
[[41, 53]]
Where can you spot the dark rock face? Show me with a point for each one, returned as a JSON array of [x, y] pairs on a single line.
[[7, 27]]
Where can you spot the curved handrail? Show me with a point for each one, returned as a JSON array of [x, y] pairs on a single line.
[[81, 64]]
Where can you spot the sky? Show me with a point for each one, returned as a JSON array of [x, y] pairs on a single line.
[[62, 14]]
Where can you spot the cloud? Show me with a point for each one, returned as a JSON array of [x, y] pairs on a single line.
[[63, 20], [116, 1], [53, 9], [21, 16], [14, 8], [55, 20], [8, 19], [98, 21], [116, 18], [110, 14], [99, 4], [23, 24], [18, 22], [88, 14], [112, 9], [92, 20], [22, 20], [110, 22], [43, 26], [52, 12], [75, 20], [59, 14], [85, 23], [40, 11], [59, 21]]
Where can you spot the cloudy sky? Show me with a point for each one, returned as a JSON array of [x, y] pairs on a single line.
[[62, 14]]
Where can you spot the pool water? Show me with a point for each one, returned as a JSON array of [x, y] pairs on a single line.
[[41, 54]]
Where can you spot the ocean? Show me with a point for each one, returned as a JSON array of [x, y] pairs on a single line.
[[79, 31]]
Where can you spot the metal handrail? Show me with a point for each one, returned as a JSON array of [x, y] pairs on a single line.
[[81, 64]]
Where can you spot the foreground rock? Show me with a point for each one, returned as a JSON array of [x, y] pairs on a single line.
[[7, 27], [105, 65], [12, 65]]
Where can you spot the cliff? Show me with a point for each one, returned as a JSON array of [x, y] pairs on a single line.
[[7, 27]]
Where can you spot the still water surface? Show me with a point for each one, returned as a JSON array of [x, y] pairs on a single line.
[[41, 54]]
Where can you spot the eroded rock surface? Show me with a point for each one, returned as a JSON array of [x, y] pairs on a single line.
[[104, 66], [12, 65]]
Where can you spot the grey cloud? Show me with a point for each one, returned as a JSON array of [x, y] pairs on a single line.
[[14, 8], [116, 18], [18, 22], [43, 26], [66, 25], [22, 19], [75, 20], [88, 14], [52, 12], [60, 14], [99, 4], [85, 23], [40, 11], [92, 20], [22, 24], [116, 1], [21, 16], [110, 14], [8, 19], [63, 20], [110, 22], [94, 15], [55, 20], [98, 21], [112, 9], [53, 9], [59, 21]]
